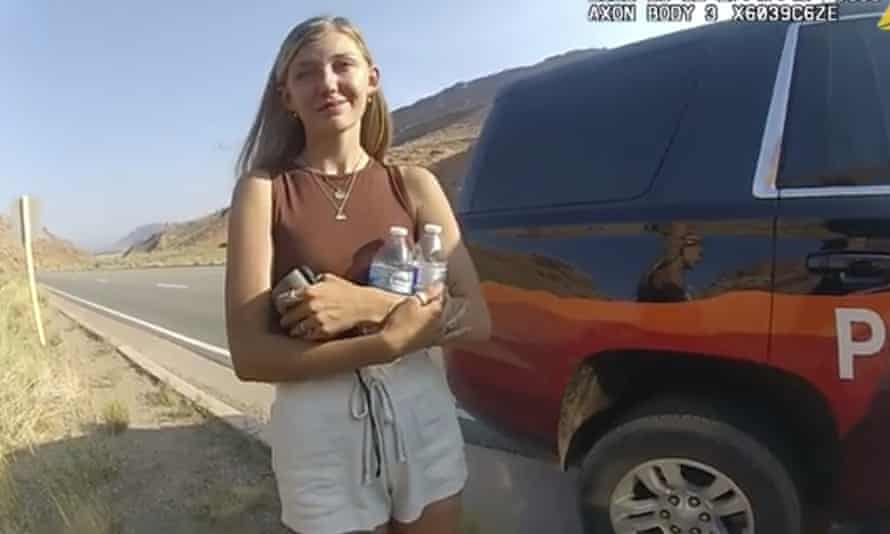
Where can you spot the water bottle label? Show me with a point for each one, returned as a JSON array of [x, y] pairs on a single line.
[[438, 273], [390, 278], [430, 274]]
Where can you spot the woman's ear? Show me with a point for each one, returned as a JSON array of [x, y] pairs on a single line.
[[373, 79], [284, 96]]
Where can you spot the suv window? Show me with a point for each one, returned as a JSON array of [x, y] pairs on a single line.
[[596, 131], [838, 125]]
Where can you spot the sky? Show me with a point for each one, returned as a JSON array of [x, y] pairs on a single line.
[[118, 114]]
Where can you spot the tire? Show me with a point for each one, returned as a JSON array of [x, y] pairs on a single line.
[[705, 441]]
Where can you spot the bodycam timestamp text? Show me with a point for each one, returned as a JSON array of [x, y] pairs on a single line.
[[685, 11]]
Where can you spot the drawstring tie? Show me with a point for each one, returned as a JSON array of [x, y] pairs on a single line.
[[371, 397]]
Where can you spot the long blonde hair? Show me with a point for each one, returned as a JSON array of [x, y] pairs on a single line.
[[277, 136]]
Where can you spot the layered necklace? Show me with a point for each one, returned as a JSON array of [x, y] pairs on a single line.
[[336, 195]]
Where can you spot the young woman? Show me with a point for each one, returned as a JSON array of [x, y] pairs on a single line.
[[364, 428]]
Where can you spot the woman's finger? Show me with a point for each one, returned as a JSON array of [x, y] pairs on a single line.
[[314, 334], [305, 324], [312, 322], [284, 301], [298, 330], [429, 295], [435, 291], [421, 297], [296, 314]]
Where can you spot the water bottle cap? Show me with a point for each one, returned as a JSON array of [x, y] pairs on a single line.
[[432, 228], [398, 231]]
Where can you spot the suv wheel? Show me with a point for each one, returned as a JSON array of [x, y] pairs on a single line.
[[685, 467]]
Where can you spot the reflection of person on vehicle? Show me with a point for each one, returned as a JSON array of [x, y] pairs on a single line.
[[665, 281], [364, 429]]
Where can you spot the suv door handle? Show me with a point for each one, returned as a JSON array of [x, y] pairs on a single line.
[[863, 265]]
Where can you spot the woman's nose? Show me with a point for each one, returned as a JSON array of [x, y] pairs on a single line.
[[328, 79]]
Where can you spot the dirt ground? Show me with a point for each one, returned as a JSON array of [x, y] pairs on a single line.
[[153, 462]]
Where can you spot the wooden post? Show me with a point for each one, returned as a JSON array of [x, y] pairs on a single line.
[[25, 211]]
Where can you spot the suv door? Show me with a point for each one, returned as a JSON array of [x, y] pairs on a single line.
[[832, 271]]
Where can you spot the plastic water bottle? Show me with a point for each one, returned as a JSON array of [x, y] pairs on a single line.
[[432, 266], [392, 268]]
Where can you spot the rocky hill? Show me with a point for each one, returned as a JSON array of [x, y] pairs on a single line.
[[135, 237], [50, 252], [207, 231], [465, 99], [10, 252]]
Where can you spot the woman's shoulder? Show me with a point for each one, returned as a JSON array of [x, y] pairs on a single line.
[[267, 175], [423, 189], [254, 186], [263, 179], [414, 173], [419, 181]]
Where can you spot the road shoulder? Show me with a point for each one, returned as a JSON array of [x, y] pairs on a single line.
[[212, 386]]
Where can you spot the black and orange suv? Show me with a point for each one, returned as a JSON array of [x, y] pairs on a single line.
[[685, 247]]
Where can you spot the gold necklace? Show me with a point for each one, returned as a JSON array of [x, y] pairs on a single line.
[[336, 194]]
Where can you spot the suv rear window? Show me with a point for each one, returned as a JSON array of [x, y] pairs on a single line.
[[594, 132], [838, 120]]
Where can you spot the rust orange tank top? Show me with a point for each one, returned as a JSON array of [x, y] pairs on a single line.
[[305, 231]]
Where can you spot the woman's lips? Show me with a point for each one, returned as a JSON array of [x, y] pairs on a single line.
[[333, 106]]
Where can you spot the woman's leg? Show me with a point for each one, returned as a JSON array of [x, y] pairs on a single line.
[[440, 517]]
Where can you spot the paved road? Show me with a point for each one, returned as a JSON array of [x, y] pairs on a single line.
[[186, 300]]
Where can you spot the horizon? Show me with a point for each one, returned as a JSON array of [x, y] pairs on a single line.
[[145, 106]]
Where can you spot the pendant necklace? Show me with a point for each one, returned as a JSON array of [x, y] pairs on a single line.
[[336, 195]]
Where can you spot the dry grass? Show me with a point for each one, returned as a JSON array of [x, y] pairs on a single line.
[[164, 397], [88, 445], [38, 388], [42, 400], [116, 417], [174, 404]]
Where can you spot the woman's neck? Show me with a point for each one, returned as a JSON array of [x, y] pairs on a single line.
[[338, 154]]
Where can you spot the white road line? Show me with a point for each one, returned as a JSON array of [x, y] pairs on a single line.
[[185, 339], [102, 280], [172, 286]]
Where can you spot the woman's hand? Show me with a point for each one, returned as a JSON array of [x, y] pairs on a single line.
[[324, 310], [419, 322]]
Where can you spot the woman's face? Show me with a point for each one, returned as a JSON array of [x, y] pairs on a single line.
[[328, 83]]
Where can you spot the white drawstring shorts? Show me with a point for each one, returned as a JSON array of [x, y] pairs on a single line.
[[351, 451]]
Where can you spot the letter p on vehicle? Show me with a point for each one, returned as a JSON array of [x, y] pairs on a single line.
[[849, 348]]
